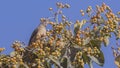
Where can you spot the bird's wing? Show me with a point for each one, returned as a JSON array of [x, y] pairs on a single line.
[[33, 36]]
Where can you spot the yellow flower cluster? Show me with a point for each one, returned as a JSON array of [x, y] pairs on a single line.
[[79, 60], [63, 41]]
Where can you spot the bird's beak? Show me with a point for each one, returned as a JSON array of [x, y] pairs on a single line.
[[51, 23]]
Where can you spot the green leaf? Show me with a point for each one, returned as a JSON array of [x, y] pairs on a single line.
[[78, 25], [64, 63], [83, 22], [99, 59], [47, 63], [86, 41], [95, 60], [117, 34], [115, 22], [12, 54], [55, 61], [22, 65], [117, 60], [90, 64], [95, 43], [106, 40], [86, 59], [101, 20]]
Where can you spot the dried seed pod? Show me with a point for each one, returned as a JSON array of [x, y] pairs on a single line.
[[1, 49], [67, 5], [50, 9], [102, 9], [60, 5], [98, 9], [108, 8], [83, 14], [60, 12], [81, 11], [89, 9], [104, 6]]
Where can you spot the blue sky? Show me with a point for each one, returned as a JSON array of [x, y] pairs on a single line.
[[18, 18]]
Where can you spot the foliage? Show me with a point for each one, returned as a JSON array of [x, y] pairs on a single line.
[[116, 53], [65, 46]]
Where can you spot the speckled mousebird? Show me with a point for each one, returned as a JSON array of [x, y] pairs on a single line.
[[40, 31]]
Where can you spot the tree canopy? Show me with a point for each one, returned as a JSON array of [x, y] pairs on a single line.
[[68, 44]]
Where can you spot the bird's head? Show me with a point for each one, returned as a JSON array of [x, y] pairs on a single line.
[[46, 21]]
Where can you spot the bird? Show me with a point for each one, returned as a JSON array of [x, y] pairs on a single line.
[[39, 32]]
